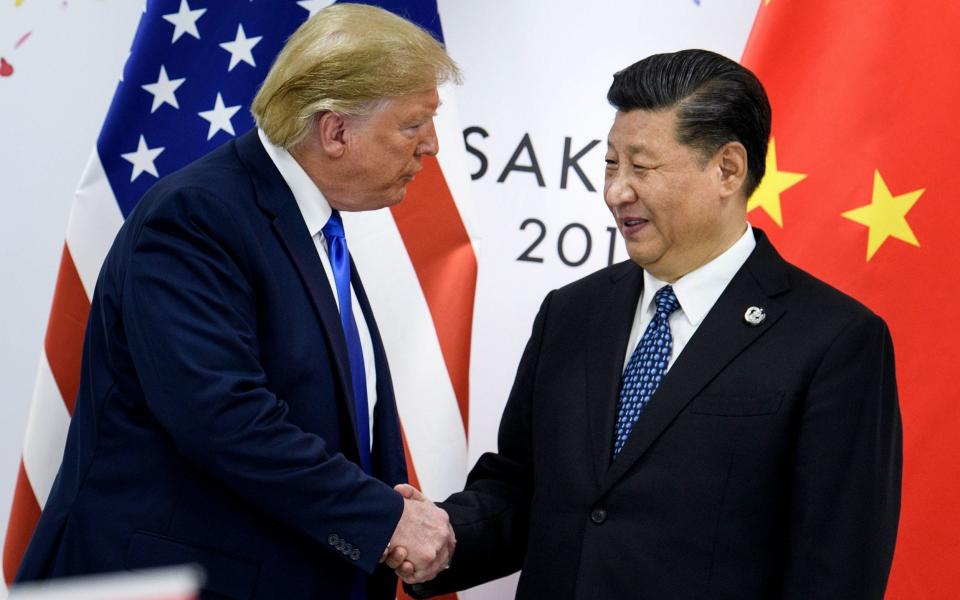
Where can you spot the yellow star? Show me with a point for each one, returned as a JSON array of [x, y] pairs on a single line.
[[886, 215], [774, 182], [18, 3]]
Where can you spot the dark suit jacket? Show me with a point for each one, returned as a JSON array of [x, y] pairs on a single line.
[[767, 465], [215, 419]]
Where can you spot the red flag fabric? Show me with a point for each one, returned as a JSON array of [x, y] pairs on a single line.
[[859, 191]]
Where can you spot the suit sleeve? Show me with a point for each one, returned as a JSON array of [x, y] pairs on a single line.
[[491, 515], [845, 484], [189, 313]]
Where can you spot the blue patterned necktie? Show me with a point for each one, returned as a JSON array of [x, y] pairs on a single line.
[[645, 370], [340, 263]]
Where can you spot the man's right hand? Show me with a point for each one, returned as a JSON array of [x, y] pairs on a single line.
[[423, 540]]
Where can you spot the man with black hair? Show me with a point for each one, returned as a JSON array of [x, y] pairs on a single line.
[[704, 420]]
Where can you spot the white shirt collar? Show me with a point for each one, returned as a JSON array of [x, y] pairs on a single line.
[[313, 205], [698, 290]]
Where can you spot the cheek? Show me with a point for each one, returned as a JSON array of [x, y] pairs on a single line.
[[401, 154], [694, 225]]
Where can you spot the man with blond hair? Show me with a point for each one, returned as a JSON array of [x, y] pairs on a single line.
[[236, 409]]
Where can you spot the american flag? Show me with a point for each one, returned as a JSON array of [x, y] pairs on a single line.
[[193, 70]]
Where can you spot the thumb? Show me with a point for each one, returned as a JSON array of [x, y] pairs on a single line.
[[409, 492]]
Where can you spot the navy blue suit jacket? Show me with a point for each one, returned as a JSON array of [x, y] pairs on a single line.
[[215, 420]]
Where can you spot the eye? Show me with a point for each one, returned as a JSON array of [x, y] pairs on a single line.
[[411, 130], [611, 163]]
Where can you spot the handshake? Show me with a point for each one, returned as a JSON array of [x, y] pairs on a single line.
[[423, 542]]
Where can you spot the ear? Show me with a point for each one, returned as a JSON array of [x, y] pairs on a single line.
[[732, 164], [330, 131]]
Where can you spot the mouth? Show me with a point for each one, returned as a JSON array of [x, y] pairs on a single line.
[[629, 225], [409, 176]]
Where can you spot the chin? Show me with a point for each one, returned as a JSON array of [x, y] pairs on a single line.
[[397, 197], [642, 254], [386, 199]]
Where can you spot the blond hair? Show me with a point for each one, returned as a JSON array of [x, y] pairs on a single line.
[[345, 59]]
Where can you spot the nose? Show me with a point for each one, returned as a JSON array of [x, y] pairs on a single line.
[[429, 144], [618, 191]]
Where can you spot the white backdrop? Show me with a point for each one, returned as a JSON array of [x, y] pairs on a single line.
[[536, 79]]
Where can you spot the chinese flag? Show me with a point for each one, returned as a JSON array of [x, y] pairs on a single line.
[[861, 190]]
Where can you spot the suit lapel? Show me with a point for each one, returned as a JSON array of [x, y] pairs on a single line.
[[384, 382], [276, 199], [722, 336], [607, 336], [389, 459]]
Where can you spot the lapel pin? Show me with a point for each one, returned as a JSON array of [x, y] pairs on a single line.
[[754, 315]]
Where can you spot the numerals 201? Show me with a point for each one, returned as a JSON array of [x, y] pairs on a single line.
[[568, 251]]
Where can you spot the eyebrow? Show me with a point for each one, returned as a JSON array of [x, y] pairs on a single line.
[[639, 149], [633, 149], [433, 113]]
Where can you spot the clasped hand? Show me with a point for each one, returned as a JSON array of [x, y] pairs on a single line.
[[423, 542]]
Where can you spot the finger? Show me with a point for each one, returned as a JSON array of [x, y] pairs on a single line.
[[406, 572], [428, 574], [396, 557], [448, 546], [408, 491], [440, 560], [443, 560], [405, 489], [391, 550], [452, 541]]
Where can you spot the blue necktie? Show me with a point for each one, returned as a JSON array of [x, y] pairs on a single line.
[[340, 262], [645, 370]]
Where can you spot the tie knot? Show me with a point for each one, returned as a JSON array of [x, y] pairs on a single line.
[[666, 300], [334, 226]]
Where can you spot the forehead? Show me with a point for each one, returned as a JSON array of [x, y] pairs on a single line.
[[643, 131], [424, 102]]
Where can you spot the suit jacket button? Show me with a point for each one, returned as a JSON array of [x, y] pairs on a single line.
[[333, 540], [598, 516], [355, 554]]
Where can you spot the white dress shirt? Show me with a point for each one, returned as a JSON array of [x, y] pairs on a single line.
[[697, 292], [316, 212]]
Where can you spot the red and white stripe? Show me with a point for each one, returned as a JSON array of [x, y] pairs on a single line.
[[95, 219]]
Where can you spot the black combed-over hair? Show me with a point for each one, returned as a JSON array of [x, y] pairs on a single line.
[[717, 101]]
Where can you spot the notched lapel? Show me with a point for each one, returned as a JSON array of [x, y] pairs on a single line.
[[389, 463], [722, 336], [609, 332], [295, 237]]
